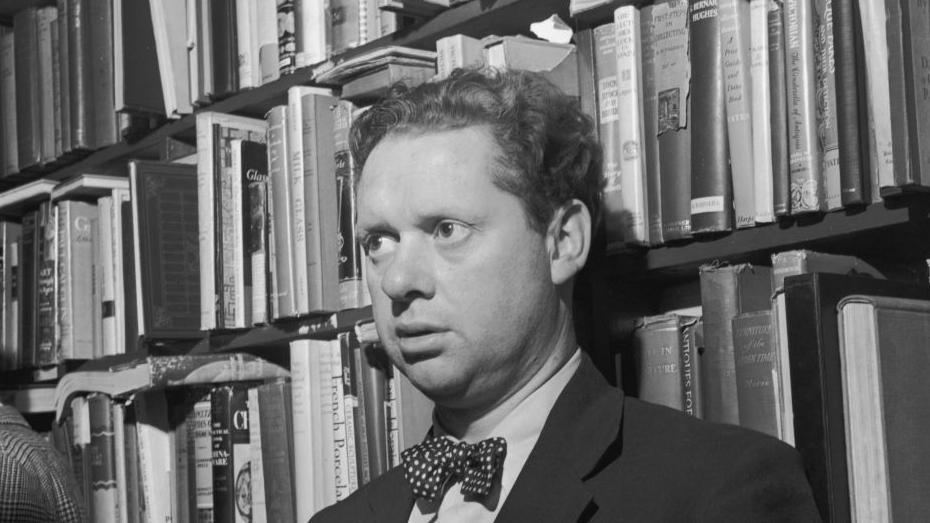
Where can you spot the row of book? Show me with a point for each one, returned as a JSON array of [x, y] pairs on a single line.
[[773, 349], [75, 77], [265, 447], [720, 115]]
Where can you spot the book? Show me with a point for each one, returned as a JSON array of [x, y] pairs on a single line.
[[245, 38], [608, 121], [759, 53], [650, 127], [8, 121], [673, 100], [347, 343], [105, 278], [374, 84], [882, 365], [351, 292], [165, 228], [268, 66], [734, 28], [250, 159], [156, 442], [28, 114], [62, 52], [136, 74], [457, 51], [169, 26], [778, 113], [877, 93], [287, 38], [827, 105], [848, 63], [756, 367], [557, 62], [345, 20], [224, 48], [102, 456], [312, 463], [46, 18], [711, 181], [101, 61], [630, 135], [200, 449], [915, 39], [805, 174], [229, 433], [75, 279], [87, 186], [373, 367], [727, 291], [343, 463], [46, 341], [256, 467], [276, 422], [281, 260], [816, 383], [667, 362], [11, 237], [121, 459], [313, 33], [27, 285], [127, 373]]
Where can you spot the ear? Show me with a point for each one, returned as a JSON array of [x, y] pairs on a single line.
[[568, 240]]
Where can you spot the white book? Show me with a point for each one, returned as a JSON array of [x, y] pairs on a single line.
[[342, 470], [313, 32], [267, 20], [878, 93], [457, 51], [105, 271], [170, 26], [201, 444], [630, 103], [120, 196], [156, 449], [295, 169], [256, 466], [193, 53], [246, 37], [307, 416]]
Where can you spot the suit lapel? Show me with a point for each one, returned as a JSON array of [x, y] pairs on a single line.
[[393, 500], [582, 428]]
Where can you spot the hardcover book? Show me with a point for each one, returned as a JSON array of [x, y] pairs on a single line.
[[75, 279], [652, 164], [878, 95], [8, 121], [350, 255], [756, 372], [915, 35], [763, 181], [229, 432], [608, 111], [827, 123], [667, 362], [778, 114], [281, 260], [101, 453], [848, 65], [276, 422], [28, 91]]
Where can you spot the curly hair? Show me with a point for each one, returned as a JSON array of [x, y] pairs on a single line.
[[549, 149]]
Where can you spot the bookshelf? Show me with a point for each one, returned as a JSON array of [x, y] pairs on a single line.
[[894, 229]]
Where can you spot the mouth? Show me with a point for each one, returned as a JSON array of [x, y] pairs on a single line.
[[418, 342]]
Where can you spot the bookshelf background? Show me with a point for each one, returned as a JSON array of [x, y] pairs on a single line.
[[621, 283]]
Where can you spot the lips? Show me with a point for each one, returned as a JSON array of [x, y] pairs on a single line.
[[419, 341]]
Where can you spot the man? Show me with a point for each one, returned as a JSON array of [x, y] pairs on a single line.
[[476, 203], [35, 481]]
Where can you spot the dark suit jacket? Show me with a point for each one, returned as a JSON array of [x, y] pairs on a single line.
[[605, 457]]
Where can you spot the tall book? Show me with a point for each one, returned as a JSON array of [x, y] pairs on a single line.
[[229, 431], [137, 86], [806, 182], [667, 362], [224, 48], [276, 422], [345, 25], [312, 29], [101, 60], [27, 284], [63, 51], [81, 76], [878, 94], [256, 489], [915, 47], [630, 103], [28, 114], [827, 105], [268, 58], [883, 365], [608, 111], [372, 368], [11, 236], [169, 27], [251, 161], [711, 181], [75, 279], [8, 121], [287, 38], [727, 291], [651, 128], [46, 18], [778, 114], [759, 54], [757, 370], [673, 103], [156, 442], [816, 378], [46, 343], [735, 42], [281, 260], [165, 223], [351, 287], [347, 343], [200, 448], [848, 64], [103, 486]]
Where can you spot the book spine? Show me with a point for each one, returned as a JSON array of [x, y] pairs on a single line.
[[321, 214], [756, 369], [295, 176], [255, 210], [827, 123], [344, 25], [711, 181], [27, 287], [650, 128], [105, 494], [630, 104], [12, 341], [340, 435], [657, 353], [56, 129], [350, 259], [277, 451], [692, 390], [130, 276], [307, 464], [847, 103], [45, 19], [65, 295], [915, 22], [206, 200], [47, 261], [8, 138], [287, 38], [904, 161], [312, 30], [608, 100], [350, 397], [134, 504], [201, 449], [256, 465], [228, 249], [735, 48], [229, 432], [75, 279], [223, 32], [28, 115], [763, 182], [105, 273], [778, 114], [281, 208], [673, 99], [878, 94], [64, 76], [100, 15], [246, 45], [362, 443], [80, 74], [242, 276]]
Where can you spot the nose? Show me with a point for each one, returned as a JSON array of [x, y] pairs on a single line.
[[408, 274]]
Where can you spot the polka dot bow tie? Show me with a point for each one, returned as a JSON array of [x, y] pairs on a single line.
[[428, 465]]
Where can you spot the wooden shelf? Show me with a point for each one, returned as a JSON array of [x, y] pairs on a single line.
[[46, 374], [898, 228]]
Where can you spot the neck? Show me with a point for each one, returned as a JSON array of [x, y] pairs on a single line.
[[474, 424]]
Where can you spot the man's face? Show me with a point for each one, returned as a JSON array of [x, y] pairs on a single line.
[[460, 284]]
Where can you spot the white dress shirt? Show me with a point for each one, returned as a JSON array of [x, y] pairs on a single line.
[[521, 429]]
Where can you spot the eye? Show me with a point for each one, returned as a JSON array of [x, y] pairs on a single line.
[[378, 244], [449, 231]]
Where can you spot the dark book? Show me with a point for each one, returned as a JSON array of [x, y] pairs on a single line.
[[284, 302], [134, 504], [277, 449], [46, 275], [904, 161], [11, 237], [63, 50], [229, 430], [884, 361], [608, 120], [778, 112], [28, 109], [847, 66], [128, 259], [225, 48], [587, 78], [805, 173], [100, 54], [816, 382], [46, 20], [101, 453], [827, 123], [651, 128], [374, 371], [27, 288], [81, 76], [8, 122], [363, 457], [914, 169], [667, 362], [344, 24], [287, 37], [756, 368], [673, 124], [254, 171], [351, 408], [138, 81], [165, 223], [711, 181], [351, 291], [726, 292]]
